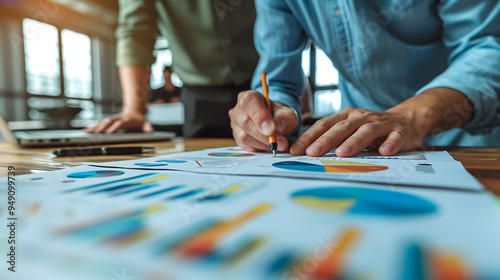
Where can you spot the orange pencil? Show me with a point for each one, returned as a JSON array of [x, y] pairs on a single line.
[[273, 144]]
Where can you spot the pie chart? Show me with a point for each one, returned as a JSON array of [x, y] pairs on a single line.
[[231, 154], [364, 201], [331, 166], [94, 174]]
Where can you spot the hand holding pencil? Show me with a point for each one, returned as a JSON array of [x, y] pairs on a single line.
[[256, 126], [273, 145]]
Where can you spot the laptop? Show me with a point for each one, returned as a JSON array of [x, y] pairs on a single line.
[[47, 138]]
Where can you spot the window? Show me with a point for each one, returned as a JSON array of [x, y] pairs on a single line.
[[323, 79], [326, 74], [41, 45], [76, 64], [326, 102], [58, 69]]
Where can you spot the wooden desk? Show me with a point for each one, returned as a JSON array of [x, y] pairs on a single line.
[[33, 160], [483, 163]]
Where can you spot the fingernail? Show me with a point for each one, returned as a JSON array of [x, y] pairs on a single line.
[[315, 148], [345, 148], [267, 127], [388, 148]]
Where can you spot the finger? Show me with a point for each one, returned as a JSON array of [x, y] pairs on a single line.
[[319, 128], [91, 128], [114, 127], [242, 120], [246, 124], [247, 142], [393, 144], [280, 139], [282, 142], [334, 136], [103, 125], [362, 138], [253, 104], [147, 127]]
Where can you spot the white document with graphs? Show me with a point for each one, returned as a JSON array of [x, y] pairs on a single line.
[[421, 168]]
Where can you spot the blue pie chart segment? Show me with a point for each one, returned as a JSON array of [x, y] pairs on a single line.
[[364, 201], [147, 164], [300, 166], [95, 174], [171, 161]]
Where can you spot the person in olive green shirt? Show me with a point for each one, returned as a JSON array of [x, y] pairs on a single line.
[[213, 54]]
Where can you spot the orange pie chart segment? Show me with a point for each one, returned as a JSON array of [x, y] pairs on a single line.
[[351, 166]]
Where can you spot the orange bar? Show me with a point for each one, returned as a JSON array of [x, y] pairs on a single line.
[[449, 266], [331, 267], [205, 242]]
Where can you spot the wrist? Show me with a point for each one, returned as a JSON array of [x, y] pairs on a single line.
[[421, 119], [436, 110], [134, 110]]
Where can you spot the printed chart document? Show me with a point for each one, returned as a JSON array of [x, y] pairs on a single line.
[[93, 222], [425, 169]]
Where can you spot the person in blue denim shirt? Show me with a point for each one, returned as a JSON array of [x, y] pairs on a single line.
[[412, 72]]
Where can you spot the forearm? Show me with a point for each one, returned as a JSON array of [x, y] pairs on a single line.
[[135, 87], [436, 110]]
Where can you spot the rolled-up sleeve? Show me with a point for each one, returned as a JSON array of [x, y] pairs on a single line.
[[471, 31], [136, 33], [279, 40]]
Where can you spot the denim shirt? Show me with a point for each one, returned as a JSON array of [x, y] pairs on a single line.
[[386, 51]]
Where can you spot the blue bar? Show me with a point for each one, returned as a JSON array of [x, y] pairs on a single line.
[[124, 186], [112, 182], [136, 189], [161, 191], [414, 268], [186, 194], [282, 260]]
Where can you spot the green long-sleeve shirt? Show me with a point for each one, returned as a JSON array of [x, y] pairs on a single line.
[[211, 40]]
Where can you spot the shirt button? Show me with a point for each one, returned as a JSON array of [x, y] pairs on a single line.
[[227, 41], [347, 55], [337, 12], [232, 63]]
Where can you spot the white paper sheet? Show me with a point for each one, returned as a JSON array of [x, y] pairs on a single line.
[[428, 169]]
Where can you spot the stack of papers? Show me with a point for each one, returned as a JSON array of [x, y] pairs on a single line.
[[230, 214]]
